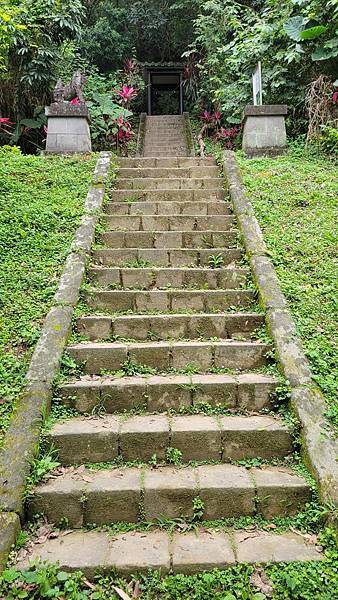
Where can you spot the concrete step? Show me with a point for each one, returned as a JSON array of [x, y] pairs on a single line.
[[82, 440], [187, 553], [167, 163], [169, 326], [151, 183], [203, 356], [182, 223], [169, 173], [165, 153], [169, 195], [250, 392], [169, 300], [175, 257], [164, 278], [167, 207], [169, 239], [126, 494]]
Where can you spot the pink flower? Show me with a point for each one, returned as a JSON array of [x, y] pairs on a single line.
[[45, 129], [127, 93], [227, 133], [206, 117], [217, 117], [75, 101], [335, 97], [6, 125]]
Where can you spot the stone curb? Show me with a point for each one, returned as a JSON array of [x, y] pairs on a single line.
[[22, 437], [141, 134], [319, 449], [189, 135], [9, 529]]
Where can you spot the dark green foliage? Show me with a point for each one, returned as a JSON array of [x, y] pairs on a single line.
[[108, 40], [232, 36]]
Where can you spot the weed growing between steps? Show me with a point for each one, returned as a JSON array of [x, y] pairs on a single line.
[[293, 581], [41, 203], [295, 199]]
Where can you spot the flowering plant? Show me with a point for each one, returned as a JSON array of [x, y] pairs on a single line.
[[127, 94]]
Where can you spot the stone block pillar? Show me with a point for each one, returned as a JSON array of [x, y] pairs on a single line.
[[264, 130], [68, 128]]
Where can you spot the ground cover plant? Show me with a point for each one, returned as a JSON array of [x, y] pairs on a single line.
[[41, 201], [295, 199]]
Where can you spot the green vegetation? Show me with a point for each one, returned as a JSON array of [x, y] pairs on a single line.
[[295, 199], [41, 202]]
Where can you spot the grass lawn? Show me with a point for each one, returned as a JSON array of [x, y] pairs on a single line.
[[295, 199], [41, 201]]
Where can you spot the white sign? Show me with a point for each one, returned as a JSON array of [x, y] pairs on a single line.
[[257, 85]]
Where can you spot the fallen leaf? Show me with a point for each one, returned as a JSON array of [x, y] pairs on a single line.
[[271, 526], [121, 593], [89, 585], [261, 582], [137, 590], [87, 479]]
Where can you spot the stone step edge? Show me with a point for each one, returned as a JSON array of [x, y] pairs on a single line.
[[146, 494], [98, 357], [80, 440], [196, 551], [168, 326], [166, 257], [244, 392]]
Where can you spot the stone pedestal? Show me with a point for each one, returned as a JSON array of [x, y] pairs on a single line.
[[264, 130], [68, 128]]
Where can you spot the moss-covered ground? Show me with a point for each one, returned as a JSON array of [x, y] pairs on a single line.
[[296, 199], [41, 202]]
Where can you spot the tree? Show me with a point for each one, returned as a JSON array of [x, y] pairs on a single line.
[[9, 25]]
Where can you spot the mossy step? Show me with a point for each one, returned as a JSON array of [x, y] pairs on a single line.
[[169, 300], [204, 356], [134, 494], [192, 552], [169, 326], [161, 204], [148, 278], [170, 195], [183, 223], [201, 437], [156, 393], [169, 183], [143, 162], [168, 239], [172, 172], [173, 257]]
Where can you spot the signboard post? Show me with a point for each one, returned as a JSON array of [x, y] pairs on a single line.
[[257, 85]]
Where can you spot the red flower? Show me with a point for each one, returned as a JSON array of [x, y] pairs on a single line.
[[5, 124], [227, 133], [217, 117], [206, 117], [335, 97], [75, 101], [127, 93]]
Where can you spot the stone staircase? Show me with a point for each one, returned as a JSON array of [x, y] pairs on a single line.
[[165, 136], [196, 390]]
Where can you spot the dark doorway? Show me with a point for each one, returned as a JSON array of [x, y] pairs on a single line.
[[164, 90]]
